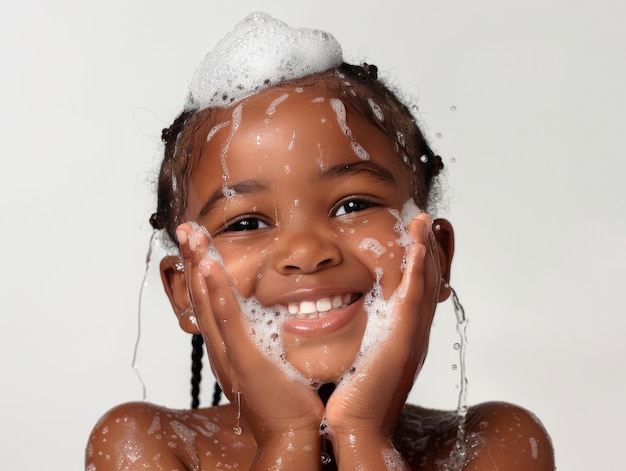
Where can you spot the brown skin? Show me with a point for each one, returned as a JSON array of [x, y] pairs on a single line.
[[506, 432], [308, 201]]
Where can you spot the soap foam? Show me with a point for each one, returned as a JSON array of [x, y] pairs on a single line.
[[340, 111], [373, 246], [258, 53], [378, 328], [403, 219], [265, 325]]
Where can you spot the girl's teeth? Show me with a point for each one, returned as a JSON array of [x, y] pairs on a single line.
[[323, 305], [313, 309], [307, 307]]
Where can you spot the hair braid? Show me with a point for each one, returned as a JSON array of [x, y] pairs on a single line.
[[217, 395], [196, 369]]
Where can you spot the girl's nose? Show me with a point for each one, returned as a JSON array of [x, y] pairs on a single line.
[[306, 251]]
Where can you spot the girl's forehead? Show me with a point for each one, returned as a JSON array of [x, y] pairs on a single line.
[[296, 114], [291, 126]]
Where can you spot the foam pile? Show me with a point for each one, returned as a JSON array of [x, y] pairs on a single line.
[[258, 53]]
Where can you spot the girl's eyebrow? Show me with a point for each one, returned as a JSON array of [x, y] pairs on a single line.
[[365, 167], [240, 188], [254, 186]]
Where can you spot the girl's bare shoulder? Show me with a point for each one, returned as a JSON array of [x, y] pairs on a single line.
[[140, 435], [497, 435]]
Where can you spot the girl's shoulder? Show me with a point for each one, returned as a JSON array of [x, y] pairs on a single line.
[[497, 435], [138, 435]]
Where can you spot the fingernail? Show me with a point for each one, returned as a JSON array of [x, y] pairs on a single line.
[[181, 236], [205, 266]]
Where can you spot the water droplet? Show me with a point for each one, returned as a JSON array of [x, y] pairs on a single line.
[[457, 346], [453, 108], [437, 227], [454, 367], [237, 430], [452, 159], [424, 159], [326, 458], [438, 135]]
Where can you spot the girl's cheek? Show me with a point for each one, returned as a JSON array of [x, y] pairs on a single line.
[[244, 268], [382, 254]]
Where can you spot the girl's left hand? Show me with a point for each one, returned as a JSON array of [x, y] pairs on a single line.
[[365, 406]]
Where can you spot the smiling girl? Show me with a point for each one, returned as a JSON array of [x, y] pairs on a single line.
[[291, 184]]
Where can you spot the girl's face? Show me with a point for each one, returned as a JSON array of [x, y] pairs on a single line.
[[298, 193]]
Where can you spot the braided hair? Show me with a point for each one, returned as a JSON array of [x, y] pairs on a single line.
[[357, 85]]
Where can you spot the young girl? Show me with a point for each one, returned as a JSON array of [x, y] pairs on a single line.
[[291, 185]]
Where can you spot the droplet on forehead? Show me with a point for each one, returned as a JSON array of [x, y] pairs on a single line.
[[258, 53]]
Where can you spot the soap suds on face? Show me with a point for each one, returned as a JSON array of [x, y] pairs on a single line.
[[376, 109], [258, 53], [215, 129], [272, 108], [340, 111], [373, 246], [236, 122], [265, 326], [409, 210]]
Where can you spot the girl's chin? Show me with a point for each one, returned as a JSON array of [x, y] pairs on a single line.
[[323, 364]]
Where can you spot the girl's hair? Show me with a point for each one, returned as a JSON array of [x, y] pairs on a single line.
[[358, 86]]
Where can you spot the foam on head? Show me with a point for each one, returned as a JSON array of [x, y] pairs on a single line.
[[258, 53]]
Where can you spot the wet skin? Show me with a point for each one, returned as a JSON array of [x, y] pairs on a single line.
[[301, 197], [288, 202], [304, 203]]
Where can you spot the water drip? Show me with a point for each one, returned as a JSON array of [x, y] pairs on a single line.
[[460, 453], [144, 283]]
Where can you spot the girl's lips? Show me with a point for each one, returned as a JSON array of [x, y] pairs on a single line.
[[323, 315]]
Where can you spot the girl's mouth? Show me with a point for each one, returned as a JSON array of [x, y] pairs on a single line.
[[314, 309], [322, 315]]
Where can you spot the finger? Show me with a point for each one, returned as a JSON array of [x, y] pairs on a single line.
[[194, 243], [411, 287], [416, 297]]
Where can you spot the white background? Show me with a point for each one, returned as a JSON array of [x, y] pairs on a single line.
[[535, 193]]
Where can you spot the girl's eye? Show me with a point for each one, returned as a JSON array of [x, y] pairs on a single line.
[[352, 206], [246, 224]]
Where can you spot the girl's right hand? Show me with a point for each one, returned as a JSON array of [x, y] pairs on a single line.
[[274, 406]]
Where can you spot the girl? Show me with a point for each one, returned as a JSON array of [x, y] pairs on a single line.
[[291, 184]]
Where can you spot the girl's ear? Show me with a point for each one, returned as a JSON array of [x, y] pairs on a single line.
[[444, 235], [173, 278]]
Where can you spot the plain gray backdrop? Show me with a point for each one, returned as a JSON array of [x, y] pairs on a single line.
[[525, 100]]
